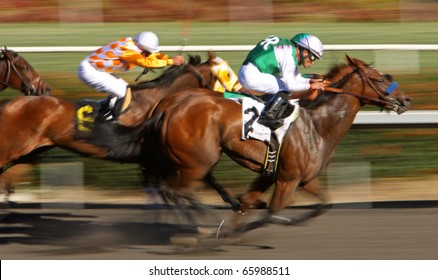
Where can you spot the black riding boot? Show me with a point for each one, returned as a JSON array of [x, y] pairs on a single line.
[[269, 115], [107, 108]]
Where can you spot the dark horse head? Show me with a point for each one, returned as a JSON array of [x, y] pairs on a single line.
[[384, 91], [16, 72]]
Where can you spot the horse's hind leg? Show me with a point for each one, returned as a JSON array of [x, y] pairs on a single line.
[[182, 183], [226, 196]]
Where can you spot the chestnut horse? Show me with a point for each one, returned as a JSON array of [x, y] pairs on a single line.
[[17, 73], [194, 128], [29, 125], [53, 119]]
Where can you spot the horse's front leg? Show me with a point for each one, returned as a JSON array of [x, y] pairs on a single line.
[[248, 200], [313, 188], [6, 187], [280, 199], [257, 187]]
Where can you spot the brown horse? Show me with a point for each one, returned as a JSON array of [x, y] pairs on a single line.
[[17, 73], [29, 125], [193, 129]]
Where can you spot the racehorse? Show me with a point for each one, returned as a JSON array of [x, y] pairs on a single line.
[[17, 73], [194, 127], [30, 125], [214, 73]]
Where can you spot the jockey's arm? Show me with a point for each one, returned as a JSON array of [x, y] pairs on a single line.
[[156, 60], [292, 79], [311, 94]]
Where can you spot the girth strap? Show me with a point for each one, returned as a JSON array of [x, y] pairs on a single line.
[[271, 158]]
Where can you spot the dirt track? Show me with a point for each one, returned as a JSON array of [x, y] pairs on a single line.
[[382, 220], [126, 231], [123, 233]]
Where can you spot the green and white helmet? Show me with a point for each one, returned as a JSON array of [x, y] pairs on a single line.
[[310, 43]]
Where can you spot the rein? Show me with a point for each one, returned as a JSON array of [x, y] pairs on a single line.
[[383, 101], [8, 73]]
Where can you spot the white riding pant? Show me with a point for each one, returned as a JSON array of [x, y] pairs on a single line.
[[101, 81], [251, 78]]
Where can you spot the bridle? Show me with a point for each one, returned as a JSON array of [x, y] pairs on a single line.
[[384, 100], [29, 88]]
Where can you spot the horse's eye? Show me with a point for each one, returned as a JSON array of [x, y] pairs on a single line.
[[380, 80], [389, 77]]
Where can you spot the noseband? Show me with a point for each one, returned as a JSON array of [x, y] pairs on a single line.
[[29, 88], [384, 101]]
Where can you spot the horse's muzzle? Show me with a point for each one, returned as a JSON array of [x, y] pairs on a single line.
[[45, 91], [401, 106], [40, 90]]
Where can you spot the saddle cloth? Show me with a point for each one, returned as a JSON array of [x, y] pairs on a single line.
[[251, 110]]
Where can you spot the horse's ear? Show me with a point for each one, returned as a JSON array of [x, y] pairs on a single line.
[[350, 60]]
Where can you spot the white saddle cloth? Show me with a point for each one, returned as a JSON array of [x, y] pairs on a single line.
[[261, 132]]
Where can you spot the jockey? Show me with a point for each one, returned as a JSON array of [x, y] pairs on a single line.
[[272, 67], [123, 55]]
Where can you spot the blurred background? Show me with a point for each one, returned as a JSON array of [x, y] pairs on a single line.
[[374, 160]]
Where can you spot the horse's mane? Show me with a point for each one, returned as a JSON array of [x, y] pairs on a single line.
[[169, 75], [326, 95]]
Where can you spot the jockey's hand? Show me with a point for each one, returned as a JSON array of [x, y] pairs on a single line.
[[326, 83], [178, 60], [316, 84]]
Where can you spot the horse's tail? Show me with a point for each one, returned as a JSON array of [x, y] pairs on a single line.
[[152, 128]]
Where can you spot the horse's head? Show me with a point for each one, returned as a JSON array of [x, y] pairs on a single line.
[[218, 74], [370, 86], [20, 74]]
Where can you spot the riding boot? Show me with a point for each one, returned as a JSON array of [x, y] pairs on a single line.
[[107, 111], [269, 115]]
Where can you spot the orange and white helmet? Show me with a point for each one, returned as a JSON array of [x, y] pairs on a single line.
[[147, 41], [310, 43]]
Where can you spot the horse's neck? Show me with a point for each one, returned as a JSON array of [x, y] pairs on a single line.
[[144, 101], [333, 119]]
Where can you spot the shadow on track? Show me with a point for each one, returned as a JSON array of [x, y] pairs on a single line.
[[67, 232]]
